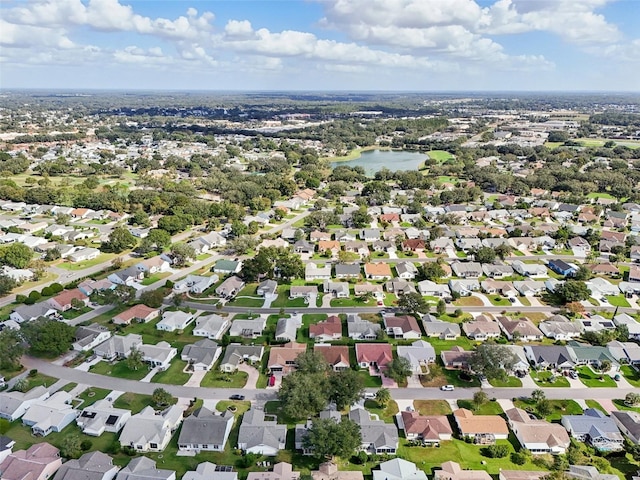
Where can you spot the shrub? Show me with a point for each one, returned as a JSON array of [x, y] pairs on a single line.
[[56, 287], [47, 291], [33, 372], [168, 284], [518, 458], [20, 298], [86, 445], [29, 301], [495, 451], [35, 295]]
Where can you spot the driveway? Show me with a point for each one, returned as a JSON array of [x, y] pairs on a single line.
[[253, 373], [268, 300], [505, 404], [195, 378], [485, 301], [326, 301]]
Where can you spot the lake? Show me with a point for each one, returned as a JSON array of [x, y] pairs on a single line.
[[375, 160]]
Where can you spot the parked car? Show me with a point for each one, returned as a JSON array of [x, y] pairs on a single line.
[[447, 388], [573, 374], [236, 397]]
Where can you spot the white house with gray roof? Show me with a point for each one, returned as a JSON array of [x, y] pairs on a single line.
[[211, 326], [378, 437], [360, 329], [102, 417], [149, 431], [235, 354], [50, 415], [247, 328], [260, 436], [90, 466], [205, 431], [27, 313], [201, 355], [13, 405], [143, 468], [419, 354], [435, 327]]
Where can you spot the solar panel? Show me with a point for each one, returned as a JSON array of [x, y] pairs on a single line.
[[112, 420]]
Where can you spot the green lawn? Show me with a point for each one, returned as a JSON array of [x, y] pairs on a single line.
[[105, 318], [618, 301], [369, 381], [156, 277], [68, 387], [217, 379], [40, 379], [273, 407], [136, 402], [440, 345], [173, 375], [558, 408], [432, 407], [512, 382], [619, 403], [103, 257], [596, 405], [352, 302], [440, 155], [151, 335], [487, 408], [631, 374], [385, 414], [592, 379], [91, 395], [240, 406], [119, 370], [498, 301], [544, 379], [73, 313], [454, 378]]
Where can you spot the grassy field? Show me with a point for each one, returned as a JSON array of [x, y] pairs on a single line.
[[136, 402], [558, 408], [440, 155], [75, 266], [631, 374], [217, 379], [487, 408], [173, 375], [498, 301], [596, 405], [40, 379], [544, 379], [593, 380], [156, 277], [385, 414], [151, 335], [91, 395], [468, 302], [119, 370], [618, 301], [432, 407], [511, 382]]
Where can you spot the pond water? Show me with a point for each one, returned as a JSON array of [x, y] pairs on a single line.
[[375, 160]]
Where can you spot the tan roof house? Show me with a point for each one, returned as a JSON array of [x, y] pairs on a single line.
[[483, 429], [538, 436], [38, 462], [282, 358], [453, 471]]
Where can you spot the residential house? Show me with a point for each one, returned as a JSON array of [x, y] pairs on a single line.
[[282, 358], [210, 471], [153, 265], [522, 474], [601, 287], [143, 468], [359, 329], [431, 429], [317, 236], [308, 292], [260, 436], [267, 288], [532, 270], [89, 337], [89, 286], [336, 289], [370, 234], [453, 471], [605, 269], [464, 288], [194, 284], [208, 242], [493, 270], [14, 404], [347, 270], [361, 289], [138, 313], [522, 362], [330, 247], [482, 429], [400, 287], [377, 271], [118, 346], [230, 287], [592, 355], [441, 245], [432, 289], [201, 355], [28, 313], [287, 329], [419, 354], [159, 355], [537, 436], [521, 329], [39, 462], [481, 328], [247, 328], [149, 431], [561, 328], [633, 326], [529, 288], [467, 269], [550, 356], [345, 236], [102, 417], [236, 354], [64, 300], [406, 270], [227, 267], [327, 330], [129, 276], [337, 356], [596, 323], [329, 471], [90, 466], [579, 246], [596, 429], [373, 355], [6, 448], [378, 437], [174, 321], [314, 272], [281, 471], [434, 327], [303, 247], [561, 267], [456, 358], [625, 352], [468, 244], [414, 245], [587, 472], [398, 469], [629, 424], [50, 415], [211, 326], [205, 431], [83, 254], [404, 326]]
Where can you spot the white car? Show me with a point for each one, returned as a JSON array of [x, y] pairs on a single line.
[[447, 388]]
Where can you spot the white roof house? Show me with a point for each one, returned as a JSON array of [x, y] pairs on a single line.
[[50, 415], [398, 469], [149, 431], [13, 405], [158, 355], [174, 321], [211, 326], [102, 417]]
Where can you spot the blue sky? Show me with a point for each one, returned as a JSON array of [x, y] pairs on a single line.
[[418, 45]]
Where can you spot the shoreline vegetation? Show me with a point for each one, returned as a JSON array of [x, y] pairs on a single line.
[[357, 152]]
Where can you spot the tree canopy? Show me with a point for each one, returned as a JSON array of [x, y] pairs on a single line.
[[49, 337], [327, 438]]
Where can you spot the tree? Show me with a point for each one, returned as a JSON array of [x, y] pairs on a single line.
[[16, 255], [345, 388], [39, 268], [413, 302], [71, 446], [120, 240], [52, 254], [399, 369], [152, 298], [361, 218], [538, 395], [503, 250], [161, 397], [495, 451], [347, 257], [493, 361], [303, 395], [383, 397], [7, 284], [77, 304], [310, 362], [441, 308], [134, 360], [632, 399], [484, 255], [116, 263], [328, 438], [432, 271], [480, 398], [158, 240], [572, 291], [12, 349], [273, 262], [583, 273], [49, 337], [181, 253], [21, 385]]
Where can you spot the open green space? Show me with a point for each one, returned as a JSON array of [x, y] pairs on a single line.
[[385, 414], [238, 407], [549, 379], [593, 380], [557, 408], [440, 345], [75, 313], [136, 402], [151, 335], [631, 374], [75, 266], [119, 370], [620, 405], [156, 277], [487, 408], [217, 379], [432, 407], [353, 302], [174, 375], [498, 301], [440, 155], [39, 379], [511, 382]]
